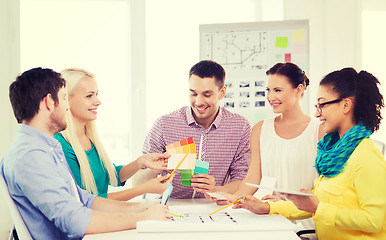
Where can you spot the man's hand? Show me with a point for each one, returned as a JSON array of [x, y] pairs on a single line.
[[203, 183], [155, 161]]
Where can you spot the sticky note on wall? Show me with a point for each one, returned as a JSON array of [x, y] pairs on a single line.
[[287, 57], [281, 42], [298, 35]]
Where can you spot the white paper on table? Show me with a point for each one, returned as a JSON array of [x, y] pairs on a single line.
[[188, 163], [270, 183], [196, 218]]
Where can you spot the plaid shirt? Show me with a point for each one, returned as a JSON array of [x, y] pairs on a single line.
[[225, 145]]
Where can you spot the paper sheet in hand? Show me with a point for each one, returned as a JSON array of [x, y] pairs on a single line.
[[269, 182], [281, 190]]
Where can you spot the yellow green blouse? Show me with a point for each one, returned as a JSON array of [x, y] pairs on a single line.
[[352, 205]]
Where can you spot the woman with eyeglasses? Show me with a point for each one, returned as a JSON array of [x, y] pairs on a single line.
[[283, 147], [350, 193]]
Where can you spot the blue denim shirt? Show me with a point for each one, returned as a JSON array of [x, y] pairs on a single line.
[[39, 181]]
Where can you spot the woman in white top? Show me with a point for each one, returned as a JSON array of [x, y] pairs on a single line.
[[283, 147]]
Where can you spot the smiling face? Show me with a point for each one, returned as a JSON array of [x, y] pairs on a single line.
[[205, 98], [281, 95], [331, 115], [84, 101]]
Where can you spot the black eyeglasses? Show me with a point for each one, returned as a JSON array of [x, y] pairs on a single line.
[[320, 106]]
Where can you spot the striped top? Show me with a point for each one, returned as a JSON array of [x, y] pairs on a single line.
[[225, 145]]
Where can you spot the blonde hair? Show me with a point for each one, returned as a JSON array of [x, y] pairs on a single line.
[[72, 77]]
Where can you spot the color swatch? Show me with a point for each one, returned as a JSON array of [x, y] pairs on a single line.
[[201, 167], [166, 194], [190, 165], [186, 176]]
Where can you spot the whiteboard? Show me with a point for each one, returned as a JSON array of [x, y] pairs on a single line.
[[247, 51]]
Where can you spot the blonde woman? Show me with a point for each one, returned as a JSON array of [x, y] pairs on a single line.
[[89, 163]]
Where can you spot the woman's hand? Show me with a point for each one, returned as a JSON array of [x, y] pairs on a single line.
[[304, 203], [156, 211], [155, 161], [253, 204], [272, 198], [156, 185]]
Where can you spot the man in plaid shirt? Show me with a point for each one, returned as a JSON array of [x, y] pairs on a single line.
[[221, 137]]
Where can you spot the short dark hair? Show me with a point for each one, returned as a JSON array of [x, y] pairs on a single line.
[[292, 71], [209, 68], [363, 87], [30, 88]]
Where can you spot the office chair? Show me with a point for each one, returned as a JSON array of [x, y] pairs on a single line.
[[306, 234], [381, 146], [19, 225]]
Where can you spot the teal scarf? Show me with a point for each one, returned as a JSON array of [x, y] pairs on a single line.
[[333, 152]]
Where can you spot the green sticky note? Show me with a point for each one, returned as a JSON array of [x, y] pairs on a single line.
[[281, 42]]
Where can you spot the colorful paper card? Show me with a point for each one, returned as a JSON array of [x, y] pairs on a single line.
[[178, 150], [188, 163], [201, 167], [186, 176], [166, 194]]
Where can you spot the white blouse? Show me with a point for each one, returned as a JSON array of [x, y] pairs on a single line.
[[290, 161]]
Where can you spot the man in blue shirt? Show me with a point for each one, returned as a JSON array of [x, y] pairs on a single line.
[[38, 177]]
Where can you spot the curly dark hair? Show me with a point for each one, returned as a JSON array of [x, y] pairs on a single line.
[[363, 87]]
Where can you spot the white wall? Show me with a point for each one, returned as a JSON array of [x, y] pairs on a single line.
[[95, 37], [334, 36], [9, 69], [339, 38], [373, 50]]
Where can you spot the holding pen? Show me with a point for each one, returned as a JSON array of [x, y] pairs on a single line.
[[230, 204]]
